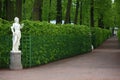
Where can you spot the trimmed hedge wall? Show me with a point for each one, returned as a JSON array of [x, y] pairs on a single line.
[[118, 35], [54, 42], [43, 42], [4, 43], [99, 36]]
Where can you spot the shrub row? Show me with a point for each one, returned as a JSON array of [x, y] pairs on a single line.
[[54, 42], [118, 35], [99, 36], [4, 43], [43, 42]]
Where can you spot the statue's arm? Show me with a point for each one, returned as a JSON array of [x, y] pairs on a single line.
[[12, 28], [21, 26]]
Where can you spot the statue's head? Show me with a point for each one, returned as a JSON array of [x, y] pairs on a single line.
[[16, 19]]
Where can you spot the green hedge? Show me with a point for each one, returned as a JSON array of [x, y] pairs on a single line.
[[4, 43], [42, 42], [118, 35], [99, 36], [54, 42]]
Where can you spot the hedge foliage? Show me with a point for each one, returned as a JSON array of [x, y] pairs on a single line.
[[4, 43], [118, 35], [43, 42], [99, 36], [51, 42]]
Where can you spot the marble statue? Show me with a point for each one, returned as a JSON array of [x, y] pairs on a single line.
[[15, 28]]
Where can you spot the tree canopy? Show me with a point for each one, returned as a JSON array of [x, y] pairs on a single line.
[[100, 13]]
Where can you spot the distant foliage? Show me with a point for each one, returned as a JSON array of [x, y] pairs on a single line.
[[5, 40], [99, 36], [118, 35]]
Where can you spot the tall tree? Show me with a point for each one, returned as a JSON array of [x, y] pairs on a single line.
[[0, 8], [49, 15], [92, 13], [100, 21], [81, 12], [76, 13], [19, 9], [8, 10], [59, 12], [117, 16], [27, 8], [37, 10], [104, 13], [67, 17]]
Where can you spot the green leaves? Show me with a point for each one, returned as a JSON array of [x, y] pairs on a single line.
[[118, 35], [51, 42], [99, 36], [42, 42]]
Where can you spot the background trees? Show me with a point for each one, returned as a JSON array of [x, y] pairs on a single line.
[[68, 11], [116, 8], [18, 8], [37, 10], [92, 13], [59, 12], [104, 13], [99, 13]]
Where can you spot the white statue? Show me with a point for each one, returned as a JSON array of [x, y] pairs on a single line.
[[15, 28]]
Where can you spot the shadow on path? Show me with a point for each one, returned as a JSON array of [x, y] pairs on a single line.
[[102, 63]]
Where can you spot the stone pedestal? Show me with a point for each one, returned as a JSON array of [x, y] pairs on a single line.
[[15, 60]]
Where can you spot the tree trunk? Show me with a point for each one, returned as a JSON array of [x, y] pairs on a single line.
[[92, 13], [100, 21], [19, 9], [81, 13], [37, 10], [8, 10], [49, 15], [59, 12], [76, 13], [40, 13], [67, 17], [0, 8], [4, 10]]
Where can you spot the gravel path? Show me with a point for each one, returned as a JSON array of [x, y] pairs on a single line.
[[102, 63]]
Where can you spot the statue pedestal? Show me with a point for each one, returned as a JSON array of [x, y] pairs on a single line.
[[15, 60]]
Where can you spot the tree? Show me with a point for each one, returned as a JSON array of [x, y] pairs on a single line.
[[76, 13], [0, 8], [37, 10], [19, 9], [100, 21], [104, 13], [81, 12], [27, 8], [67, 17], [117, 10], [8, 10], [59, 12], [92, 13], [49, 15]]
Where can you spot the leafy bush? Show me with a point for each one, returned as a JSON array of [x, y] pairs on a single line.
[[51, 42], [43, 42], [4, 42], [118, 35], [99, 36]]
